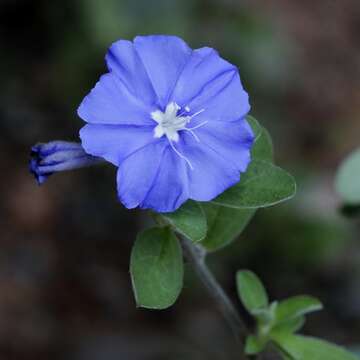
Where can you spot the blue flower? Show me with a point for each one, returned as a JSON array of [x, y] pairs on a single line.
[[172, 120], [58, 156]]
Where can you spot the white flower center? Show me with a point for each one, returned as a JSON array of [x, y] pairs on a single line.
[[170, 123]]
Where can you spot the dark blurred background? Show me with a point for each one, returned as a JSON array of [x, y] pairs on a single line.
[[65, 291]]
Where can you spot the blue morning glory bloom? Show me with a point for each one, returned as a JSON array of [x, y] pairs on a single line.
[[58, 156], [172, 120]]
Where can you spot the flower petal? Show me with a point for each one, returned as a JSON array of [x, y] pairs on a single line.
[[123, 60], [111, 102], [224, 99], [232, 140], [137, 174], [113, 142], [204, 66], [164, 58], [212, 173], [209, 82], [170, 187]]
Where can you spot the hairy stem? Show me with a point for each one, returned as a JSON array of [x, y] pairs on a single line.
[[196, 256]]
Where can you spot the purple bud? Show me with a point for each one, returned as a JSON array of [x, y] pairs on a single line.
[[56, 156]]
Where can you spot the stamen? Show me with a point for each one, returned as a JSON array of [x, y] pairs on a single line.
[[181, 155], [181, 114], [186, 109], [198, 126], [170, 123], [192, 133], [197, 113]]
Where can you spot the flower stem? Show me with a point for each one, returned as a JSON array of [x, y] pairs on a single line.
[[196, 256]]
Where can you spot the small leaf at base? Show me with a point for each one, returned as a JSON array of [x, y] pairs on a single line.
[[156, 268], [251, 291], [308, 348], [296, 306], [189, 220], [289, 326], [254, 345]]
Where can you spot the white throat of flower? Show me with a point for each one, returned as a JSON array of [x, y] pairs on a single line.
[[170, 123]]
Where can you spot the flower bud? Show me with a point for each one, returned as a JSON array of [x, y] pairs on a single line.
[[55, 156]]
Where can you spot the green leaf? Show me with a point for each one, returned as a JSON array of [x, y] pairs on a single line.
[[251, 291], [265, 317], [156, 268], [254, 345], [224, 224], [255, 126], [263, 147], [295, 307], [308, 348], [189, 220], [289, 326], [263, 184], [347, 179]]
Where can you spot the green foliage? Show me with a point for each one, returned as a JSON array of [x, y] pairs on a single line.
[[189, 220], [263, 146], [276, 323], [255, 126], [296, 307], [224, 225], [216, 225], [263, 185], [156, 268], [289, 326], [156, 260], [300, 347], [254, 345], [251, 291], [348, 179], [263, 149]]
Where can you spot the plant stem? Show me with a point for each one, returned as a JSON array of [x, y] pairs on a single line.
[[196, 256]]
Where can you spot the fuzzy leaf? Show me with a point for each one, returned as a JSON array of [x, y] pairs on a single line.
[[255, 126], [263, 185], [156, 268], [189, 220], [263, 147], [251, 291], [224, 224], [305, 348], [296, 306], [289, 326], [254, 345]]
